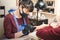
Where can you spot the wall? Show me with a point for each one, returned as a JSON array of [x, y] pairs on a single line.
[[57, 7], [8, 4]]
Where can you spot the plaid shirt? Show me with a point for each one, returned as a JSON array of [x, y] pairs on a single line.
[[10, 25]]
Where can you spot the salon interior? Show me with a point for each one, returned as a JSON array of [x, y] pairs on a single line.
[[42, 12]]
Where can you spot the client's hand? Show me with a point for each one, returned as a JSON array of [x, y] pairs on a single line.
[[41, 26], [54, 25]]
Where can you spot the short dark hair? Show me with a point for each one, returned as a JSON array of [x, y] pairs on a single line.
[[24, 5], [27, 4]]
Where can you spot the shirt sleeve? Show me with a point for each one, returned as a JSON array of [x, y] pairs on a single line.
[[48, 33], [8, 28]]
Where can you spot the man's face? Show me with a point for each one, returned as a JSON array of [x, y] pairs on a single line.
[[25, 10]]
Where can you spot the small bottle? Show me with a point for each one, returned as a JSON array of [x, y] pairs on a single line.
[[43, 17]]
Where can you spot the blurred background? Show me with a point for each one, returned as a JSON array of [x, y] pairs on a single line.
[[5, 5]]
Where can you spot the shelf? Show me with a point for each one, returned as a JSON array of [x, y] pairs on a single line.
[[48, 13], [49, 0], [50, 7]]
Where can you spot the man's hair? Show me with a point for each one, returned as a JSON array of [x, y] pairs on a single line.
[[24, 5], [27, 4]]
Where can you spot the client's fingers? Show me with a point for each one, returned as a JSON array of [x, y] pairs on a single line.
[[41, 26]]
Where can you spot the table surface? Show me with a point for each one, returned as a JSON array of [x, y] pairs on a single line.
[[31, 36]]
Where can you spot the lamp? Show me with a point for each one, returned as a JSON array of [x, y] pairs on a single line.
[[40, 5]]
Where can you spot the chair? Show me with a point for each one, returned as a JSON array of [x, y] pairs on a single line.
[[1, 28]]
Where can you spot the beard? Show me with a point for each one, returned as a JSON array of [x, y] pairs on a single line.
[[23, 15]]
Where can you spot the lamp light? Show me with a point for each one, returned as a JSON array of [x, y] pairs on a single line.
[[40, 5]]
